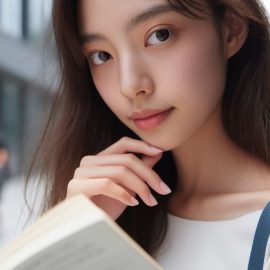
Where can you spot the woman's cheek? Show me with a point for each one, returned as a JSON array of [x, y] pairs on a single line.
[[102, 82], [107, 91], [200, 70]]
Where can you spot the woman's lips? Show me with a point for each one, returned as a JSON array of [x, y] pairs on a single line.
[[152, 121]]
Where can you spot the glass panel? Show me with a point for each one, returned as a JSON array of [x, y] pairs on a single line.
[[11, 17]]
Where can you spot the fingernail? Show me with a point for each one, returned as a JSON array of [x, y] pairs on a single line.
[[165, 188], [155, 150], [134, 201], [153, 200]]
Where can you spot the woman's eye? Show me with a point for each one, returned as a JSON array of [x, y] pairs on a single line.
[[159, 36], [99, 58]]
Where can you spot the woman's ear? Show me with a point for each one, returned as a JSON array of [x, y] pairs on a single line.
[[235, 31]]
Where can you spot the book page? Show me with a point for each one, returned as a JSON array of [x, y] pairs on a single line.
[[75, 234], [95, 247]]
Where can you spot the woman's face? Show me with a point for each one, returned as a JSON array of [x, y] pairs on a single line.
[[144, 56]]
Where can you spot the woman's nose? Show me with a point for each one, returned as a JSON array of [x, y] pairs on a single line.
[[135, 78]]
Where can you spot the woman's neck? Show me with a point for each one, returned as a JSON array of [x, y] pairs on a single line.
[[211, 165]]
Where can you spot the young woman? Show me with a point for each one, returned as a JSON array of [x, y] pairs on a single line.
[[162, 119]]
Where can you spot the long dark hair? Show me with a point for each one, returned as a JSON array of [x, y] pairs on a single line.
[[80, 123]]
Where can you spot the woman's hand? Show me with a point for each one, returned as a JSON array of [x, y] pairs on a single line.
[[113, 177]]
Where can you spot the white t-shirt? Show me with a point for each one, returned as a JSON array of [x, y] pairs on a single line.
[[204, 245]]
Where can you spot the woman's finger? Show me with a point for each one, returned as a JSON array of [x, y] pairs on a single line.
[[118, 174], [133, 163], [126, 144], [94, 187]]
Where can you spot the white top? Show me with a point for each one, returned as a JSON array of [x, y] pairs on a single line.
[[202, 245]]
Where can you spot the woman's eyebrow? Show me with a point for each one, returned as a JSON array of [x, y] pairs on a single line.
[[138, 19]]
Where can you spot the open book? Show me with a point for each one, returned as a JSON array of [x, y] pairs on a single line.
[[75, 234]]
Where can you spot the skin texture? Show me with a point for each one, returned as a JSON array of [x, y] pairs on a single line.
[[187, 71]]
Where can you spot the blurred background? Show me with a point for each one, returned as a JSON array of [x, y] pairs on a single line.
[[24, 91], [28, 78]]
